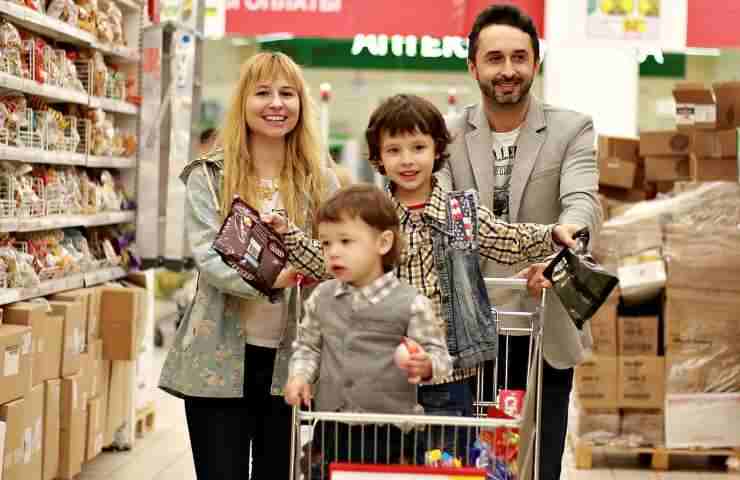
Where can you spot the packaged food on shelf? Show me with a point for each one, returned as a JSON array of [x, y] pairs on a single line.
[[64, 10]]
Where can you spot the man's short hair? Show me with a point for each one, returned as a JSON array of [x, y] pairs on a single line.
[[371, 205], [407, 114], [503, 15]]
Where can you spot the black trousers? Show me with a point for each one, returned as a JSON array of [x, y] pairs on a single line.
[[556, 387], [222, 429]]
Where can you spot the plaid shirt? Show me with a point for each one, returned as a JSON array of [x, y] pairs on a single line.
[[425, 327], [499, 241]]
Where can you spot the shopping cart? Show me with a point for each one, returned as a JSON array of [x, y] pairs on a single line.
[[401, 446]]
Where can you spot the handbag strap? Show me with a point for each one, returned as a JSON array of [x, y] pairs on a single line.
[[210, 185]]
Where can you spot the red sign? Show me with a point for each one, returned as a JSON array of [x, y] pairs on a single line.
[[713, 24], [347, 18]]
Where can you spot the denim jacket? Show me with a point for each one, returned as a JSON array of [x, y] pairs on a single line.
[[207, 357], [472, 335]]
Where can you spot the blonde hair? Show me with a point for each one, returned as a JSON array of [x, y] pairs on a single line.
[[301, 174]]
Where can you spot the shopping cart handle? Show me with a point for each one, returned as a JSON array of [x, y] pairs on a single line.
[[519, 283]]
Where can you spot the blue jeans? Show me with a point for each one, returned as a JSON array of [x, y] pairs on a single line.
[[453, 399]]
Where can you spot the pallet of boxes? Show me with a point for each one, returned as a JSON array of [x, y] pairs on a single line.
[[65, 379], [701, 148], [664, 376]]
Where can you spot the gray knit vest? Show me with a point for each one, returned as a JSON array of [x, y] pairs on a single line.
[[357, 370]]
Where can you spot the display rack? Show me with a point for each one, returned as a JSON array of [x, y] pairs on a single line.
[[118, 101]]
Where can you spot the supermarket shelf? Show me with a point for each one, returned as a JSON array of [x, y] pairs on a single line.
[[117, 106], [49, 287], [40, 23], [48, 92], [105, 275], [111, 162], [129, 5], [118, 52], [64, 221], [70, 282], [53, 28]]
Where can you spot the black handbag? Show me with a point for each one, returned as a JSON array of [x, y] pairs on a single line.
[[579, 281]]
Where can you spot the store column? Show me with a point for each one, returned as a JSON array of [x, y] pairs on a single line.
[[599, 81]]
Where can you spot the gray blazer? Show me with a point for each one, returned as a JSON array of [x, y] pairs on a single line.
[[554, 180]]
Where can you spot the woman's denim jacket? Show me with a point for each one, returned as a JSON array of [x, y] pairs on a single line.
[[207, 357], [472, 335]]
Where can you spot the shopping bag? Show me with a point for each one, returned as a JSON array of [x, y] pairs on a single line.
[[579, 281]]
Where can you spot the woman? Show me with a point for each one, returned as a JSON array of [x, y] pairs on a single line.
[[229, 360]]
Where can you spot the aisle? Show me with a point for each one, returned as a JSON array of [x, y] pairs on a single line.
[[165, 455]]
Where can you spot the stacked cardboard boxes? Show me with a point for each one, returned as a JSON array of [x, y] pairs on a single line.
[[65, 378]]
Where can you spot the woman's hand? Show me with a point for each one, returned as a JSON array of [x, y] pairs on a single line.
[[276, 222], [298, 391]]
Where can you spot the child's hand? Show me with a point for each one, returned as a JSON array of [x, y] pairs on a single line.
[[288, 277], [277, 222], [563, 234], [419, 365], [296, 391]]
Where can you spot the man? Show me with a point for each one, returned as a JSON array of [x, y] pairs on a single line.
[[530, 162]]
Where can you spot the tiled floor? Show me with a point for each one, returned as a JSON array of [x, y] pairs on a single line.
[[165, 455]]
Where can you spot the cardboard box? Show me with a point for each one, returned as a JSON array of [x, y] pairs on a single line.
[[90, 298], [701, 319], [646, 426], [623, 148], [32, 315], [119, 309], [633, 195], [695, 106], [709, 261], [82, 297], [604, 327], [660, 169], [596, 425], [615, 172], [105, 368], [596, 382], [119, 397], [638, 336], [95, 351], [72, 438], [16, 359], [52, 348], [728, 104], [641, 382], [3, 431], [73, 335], [703, 421], [715, 144], [34, 410], [14, 416], [52, 428], [713, 169], [662, 143], [95, 429]]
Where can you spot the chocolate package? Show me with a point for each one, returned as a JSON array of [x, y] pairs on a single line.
[[251, 248]]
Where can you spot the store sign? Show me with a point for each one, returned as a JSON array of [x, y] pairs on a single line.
[[410, 46], [289, 5]]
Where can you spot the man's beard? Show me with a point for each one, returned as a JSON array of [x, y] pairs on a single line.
[[508, 99]]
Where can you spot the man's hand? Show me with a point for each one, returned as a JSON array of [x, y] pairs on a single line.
[[536, 281], [277, 222], [563, 234], [298, 390]]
